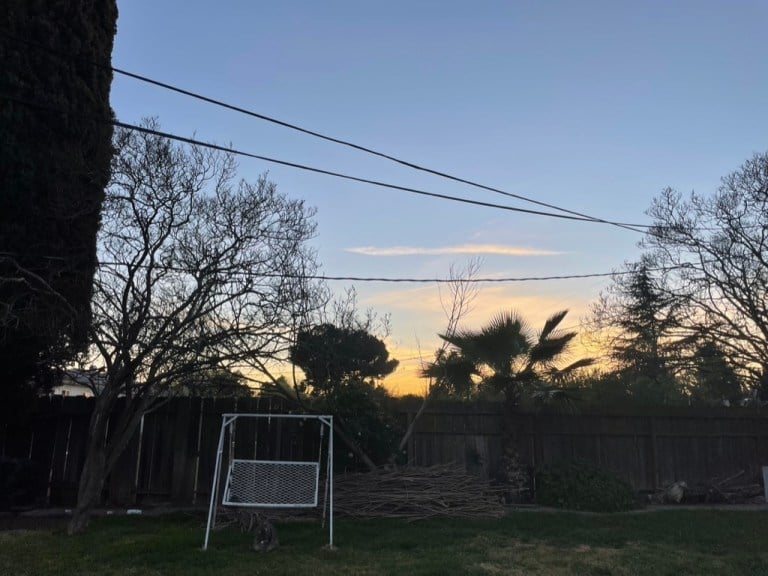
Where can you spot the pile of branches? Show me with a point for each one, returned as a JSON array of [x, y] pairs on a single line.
[[740, 488], [417, 493]]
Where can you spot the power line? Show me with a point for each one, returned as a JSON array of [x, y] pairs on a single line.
[[251, 113], [467, 280], [361, 148], [331, 278], [378, 183], [402, 280]]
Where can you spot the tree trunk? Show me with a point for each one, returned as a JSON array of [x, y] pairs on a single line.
[[91, 484], [102, 455], [511, 473], [95, 466], [411, 428]]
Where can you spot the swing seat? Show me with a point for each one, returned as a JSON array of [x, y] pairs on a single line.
[[272, 484]]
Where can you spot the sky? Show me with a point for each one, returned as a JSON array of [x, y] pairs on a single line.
[[593, 106]]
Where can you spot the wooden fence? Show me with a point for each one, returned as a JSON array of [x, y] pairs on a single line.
[[172, 455], [648, 449], [170, 459]]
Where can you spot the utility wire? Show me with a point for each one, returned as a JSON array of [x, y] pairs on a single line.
[[448, 280], [365, 149], [378, 183], [111, 264], [251, 113]]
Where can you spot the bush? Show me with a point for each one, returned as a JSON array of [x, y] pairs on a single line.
[[582, 486], [363, 411], [22, 484]]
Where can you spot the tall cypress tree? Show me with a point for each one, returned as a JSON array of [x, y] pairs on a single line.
[[55, 151]]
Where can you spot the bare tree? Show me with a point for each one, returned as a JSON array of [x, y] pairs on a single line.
[[461, 294], [344, 311], [715, 251], [197, 272]]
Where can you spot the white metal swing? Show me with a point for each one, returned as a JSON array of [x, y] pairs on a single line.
[[262, 483]]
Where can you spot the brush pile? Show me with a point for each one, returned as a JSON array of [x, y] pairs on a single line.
[[741, 488], [417, 493]]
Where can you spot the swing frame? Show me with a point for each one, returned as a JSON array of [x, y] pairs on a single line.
[[228, 422]]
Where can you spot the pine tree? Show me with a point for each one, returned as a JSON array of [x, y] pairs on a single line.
[[642, 317], [715, 379]]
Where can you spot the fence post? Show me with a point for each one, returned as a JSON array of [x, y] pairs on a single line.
[[411, 445], [765, 483], [654, 464]]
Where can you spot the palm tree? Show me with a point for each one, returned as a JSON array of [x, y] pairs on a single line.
[[507, 356]]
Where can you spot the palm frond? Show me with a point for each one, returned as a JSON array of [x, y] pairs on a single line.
[[551, 324], [560, 399], [497, 344], [505, 355], [583, 363], [547, 351]]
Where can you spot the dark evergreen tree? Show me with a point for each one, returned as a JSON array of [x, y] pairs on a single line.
[[641, 318], [330, 356], [645, 322], [55, 151], [715, 379]]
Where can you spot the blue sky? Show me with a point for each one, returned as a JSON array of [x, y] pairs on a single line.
[[595, 106]]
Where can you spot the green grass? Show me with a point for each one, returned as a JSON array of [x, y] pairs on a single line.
[[654, 543]]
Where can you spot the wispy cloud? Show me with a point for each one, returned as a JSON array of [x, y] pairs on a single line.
[[429, 302], [474, 249]]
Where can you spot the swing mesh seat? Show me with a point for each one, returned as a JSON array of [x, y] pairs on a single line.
[[272, 484]]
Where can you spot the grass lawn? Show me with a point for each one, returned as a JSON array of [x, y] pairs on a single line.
[[656, 543]]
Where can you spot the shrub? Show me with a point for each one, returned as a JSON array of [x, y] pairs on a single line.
[[582, 486], [22, 484]]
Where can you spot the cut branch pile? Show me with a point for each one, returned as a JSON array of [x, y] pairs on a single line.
[[417, 493], [740, 488]]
